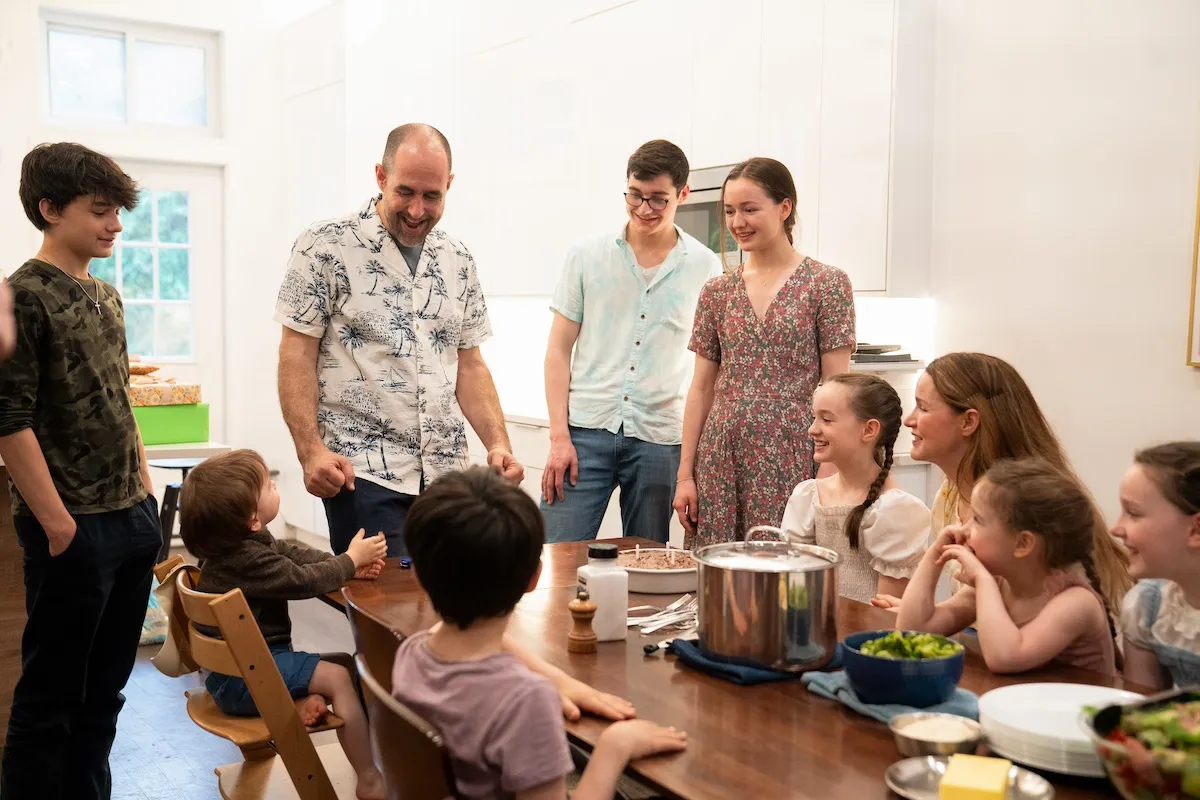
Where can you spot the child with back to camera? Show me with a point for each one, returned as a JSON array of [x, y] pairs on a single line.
[[476, 545], [226, 503], [1030, 584]]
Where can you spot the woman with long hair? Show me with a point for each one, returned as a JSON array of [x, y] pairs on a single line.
[[973, 410], [765, 334]]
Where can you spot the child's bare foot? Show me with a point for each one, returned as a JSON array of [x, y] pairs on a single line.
[[311, 709], [370, 786]]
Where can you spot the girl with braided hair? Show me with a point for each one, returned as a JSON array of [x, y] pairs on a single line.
[[1028, 569], [879, 530]]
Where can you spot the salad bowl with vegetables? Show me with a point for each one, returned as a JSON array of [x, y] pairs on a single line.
[[1150, 749], [903, 667]]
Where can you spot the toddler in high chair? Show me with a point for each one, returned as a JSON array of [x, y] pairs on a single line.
[[1030, 586], [1160, 525], [878, 529], [225, 506]]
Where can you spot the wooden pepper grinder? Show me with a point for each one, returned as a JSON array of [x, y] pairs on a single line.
[[582, 639]]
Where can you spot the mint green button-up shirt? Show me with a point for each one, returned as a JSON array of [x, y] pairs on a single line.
[[631, 364]]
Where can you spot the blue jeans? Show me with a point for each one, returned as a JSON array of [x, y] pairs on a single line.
[[371, 508], [86, 607], [644, 471]]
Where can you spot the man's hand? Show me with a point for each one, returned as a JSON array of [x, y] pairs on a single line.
[[325, 473], [506, 464], [562, 461], [61, 536]]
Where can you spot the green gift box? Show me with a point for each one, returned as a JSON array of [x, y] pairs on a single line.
[[172, 424]]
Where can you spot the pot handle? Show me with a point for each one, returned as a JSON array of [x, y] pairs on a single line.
[[777, 534]]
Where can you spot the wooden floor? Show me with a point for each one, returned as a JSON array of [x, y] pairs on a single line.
[[160, 754]]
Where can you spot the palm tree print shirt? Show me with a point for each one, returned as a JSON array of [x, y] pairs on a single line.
[[388, 364]]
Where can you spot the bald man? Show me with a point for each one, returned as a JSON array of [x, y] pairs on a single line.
[[382, 318]]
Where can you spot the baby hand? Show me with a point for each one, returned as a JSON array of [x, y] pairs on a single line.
[[887, 602], [364, 551], [971, 568], [369, 572]]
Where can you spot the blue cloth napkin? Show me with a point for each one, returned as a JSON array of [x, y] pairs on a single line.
[[836, 686], [741, 674]]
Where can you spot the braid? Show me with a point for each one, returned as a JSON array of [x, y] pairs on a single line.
[[1089, 567], [854, 521]]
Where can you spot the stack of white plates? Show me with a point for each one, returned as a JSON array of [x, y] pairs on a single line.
[[1037, 724]]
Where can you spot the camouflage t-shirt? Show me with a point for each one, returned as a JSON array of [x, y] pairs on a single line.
[[68, 381]]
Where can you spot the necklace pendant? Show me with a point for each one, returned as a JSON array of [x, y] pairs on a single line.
[[97, 302]]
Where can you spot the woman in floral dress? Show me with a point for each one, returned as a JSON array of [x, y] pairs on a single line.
[[765, 334]]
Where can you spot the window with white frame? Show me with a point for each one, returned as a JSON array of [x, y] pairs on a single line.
[[150, 267], [116, 74]]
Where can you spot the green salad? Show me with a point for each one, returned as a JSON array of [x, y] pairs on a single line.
[[900, 645], [1164, 747]]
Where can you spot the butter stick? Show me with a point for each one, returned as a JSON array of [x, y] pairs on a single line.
[[975, 778]]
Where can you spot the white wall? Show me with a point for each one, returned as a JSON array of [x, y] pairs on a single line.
[[1067, 149]]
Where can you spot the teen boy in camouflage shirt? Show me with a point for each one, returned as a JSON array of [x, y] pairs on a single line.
[[80, 486]]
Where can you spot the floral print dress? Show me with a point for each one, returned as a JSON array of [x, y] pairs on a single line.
[[755, 446]]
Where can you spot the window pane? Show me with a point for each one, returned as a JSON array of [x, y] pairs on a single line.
[[136, 223], [170, 84], [172, 217], [175, 329], [87, 75], [105, 268], [137, 273], [139, 329], [173, 283]]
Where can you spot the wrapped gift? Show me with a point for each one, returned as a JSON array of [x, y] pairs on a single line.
[[172, 424], [164, 394]]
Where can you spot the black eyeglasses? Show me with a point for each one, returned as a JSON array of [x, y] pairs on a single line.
[[635, 201]]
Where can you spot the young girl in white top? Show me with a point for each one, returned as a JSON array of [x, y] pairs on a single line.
[[1160, 525], [879, 530], [1030, 582]]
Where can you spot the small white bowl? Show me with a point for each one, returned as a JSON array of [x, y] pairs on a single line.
[[661, 581]]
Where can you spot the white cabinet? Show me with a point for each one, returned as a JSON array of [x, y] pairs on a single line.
[[726, 91], [855, 154], [790, 106]]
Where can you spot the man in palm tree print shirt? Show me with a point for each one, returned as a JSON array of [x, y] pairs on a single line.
[[382, 318]]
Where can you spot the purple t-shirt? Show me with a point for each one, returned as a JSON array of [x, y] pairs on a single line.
[[502, 723]]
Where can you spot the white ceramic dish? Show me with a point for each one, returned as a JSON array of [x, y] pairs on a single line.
[[1037, 724], [662, 581]]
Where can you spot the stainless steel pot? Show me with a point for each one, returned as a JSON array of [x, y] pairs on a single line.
[[768, 603]]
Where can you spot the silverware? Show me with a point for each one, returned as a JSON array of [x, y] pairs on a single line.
[[686, 601]]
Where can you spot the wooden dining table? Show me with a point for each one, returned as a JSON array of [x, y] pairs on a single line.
[[774, 740]]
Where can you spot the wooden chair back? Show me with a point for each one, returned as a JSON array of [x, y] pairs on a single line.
[[243, 652], [408, 751], [375, 642]]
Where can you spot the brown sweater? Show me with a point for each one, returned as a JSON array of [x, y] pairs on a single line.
[[270, 573]]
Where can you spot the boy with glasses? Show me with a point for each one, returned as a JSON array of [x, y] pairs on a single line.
[[617, 362]]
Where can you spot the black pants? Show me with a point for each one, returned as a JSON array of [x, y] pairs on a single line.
[[86, 608], [371, 508]]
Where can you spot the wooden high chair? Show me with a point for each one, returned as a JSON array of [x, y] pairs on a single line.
[[408, 751], [281, 760], [375, 642]]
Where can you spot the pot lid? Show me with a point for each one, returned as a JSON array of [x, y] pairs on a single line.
[[767, 557]]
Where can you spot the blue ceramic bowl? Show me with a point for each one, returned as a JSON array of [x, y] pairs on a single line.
[[917, 682]]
